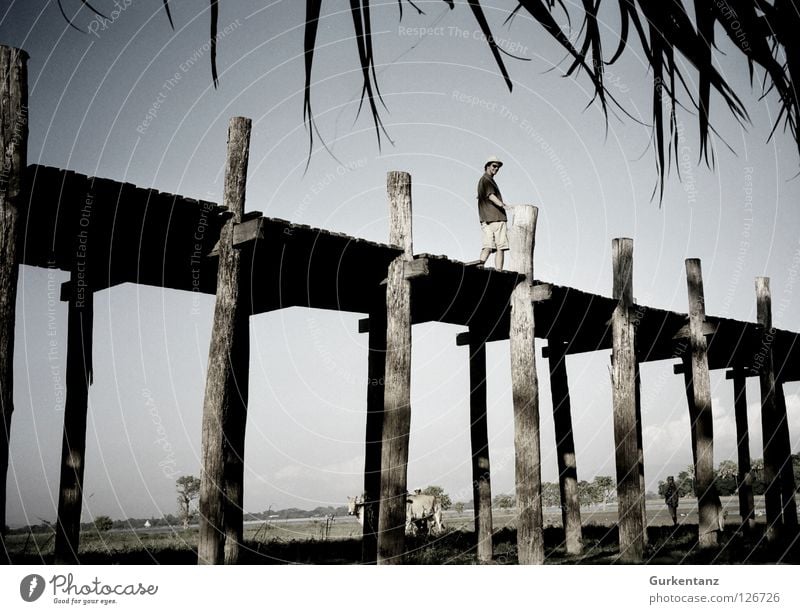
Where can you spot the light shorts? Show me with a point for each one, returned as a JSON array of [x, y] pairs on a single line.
[[495, 235]]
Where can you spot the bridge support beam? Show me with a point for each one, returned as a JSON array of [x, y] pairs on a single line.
[[626, 429], [376, 371], [779, 494], [525, 392], [225, 403], [700, 410], [397, 392], [744, 478], [80, 321], [13, 160], [479, 439], [565, 448]]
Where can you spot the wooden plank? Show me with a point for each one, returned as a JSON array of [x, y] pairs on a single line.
[[13, 157], [376, 372], [565, 448], [707, 328], [525, 393], [73, 448], [225, 403], [397, 392], [243, 233], [479, 441], [744, 478], [709, 507], [623, 377]]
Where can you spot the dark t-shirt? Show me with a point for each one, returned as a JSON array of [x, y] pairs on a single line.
[[487, 210]]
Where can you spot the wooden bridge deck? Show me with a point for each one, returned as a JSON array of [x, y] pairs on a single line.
[[122, 233]]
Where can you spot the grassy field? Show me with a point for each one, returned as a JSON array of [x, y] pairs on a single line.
[[316, 541]]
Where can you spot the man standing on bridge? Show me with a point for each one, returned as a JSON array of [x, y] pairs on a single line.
[[492, 214]]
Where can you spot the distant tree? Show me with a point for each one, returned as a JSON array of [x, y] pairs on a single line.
[[188, 488], [459, 507], [605, 488], [551, 494], [503, 501], [727, 478], [587, 493], [685, 481], [103, 523], [438, 491]]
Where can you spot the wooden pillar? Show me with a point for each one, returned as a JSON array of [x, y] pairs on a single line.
[[376, 371], [565, 448], [744, 478], [13, 149], [687, 379], [640, 444], [73, 448], [234, 428], [397, 393], [777, 454], [788, 485], [525, 392], [623, 378], [225, 404], [707, 498], [479, 439]]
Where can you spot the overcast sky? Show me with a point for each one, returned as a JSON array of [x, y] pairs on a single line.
[[133, 101]]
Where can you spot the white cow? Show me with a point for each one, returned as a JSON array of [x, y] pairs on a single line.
[[422, 511]]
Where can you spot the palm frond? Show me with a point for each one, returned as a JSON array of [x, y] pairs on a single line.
[[213, 52]]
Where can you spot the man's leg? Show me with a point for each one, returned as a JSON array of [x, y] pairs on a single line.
[[485, 254], [498, 259]]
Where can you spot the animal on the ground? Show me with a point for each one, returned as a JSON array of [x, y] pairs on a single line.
[[422, 512]]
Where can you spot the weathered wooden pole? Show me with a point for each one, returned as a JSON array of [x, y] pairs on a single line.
[[640, 444], [234, 428], [565, 447], [14, 151], [225, 404], [525, 393], [397, 392], [788, 485], [777, 457], [707, 498], [73, 448], [744, 478], [376, 371], [623, 379], [479, 439]]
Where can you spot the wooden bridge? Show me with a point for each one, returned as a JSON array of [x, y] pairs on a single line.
[[106, 233]]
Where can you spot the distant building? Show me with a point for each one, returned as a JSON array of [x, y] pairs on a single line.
[[147, 524]]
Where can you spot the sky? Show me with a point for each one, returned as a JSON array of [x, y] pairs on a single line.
[[132, 100]]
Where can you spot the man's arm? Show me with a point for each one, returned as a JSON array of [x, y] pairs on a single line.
[[497, 201]]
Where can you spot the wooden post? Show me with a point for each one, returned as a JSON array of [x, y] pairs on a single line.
[[565, 448], [234, 428], [707, 498], [376, 371], [640, 445], [687, 379], [397, 393], [777, 458], [788, 485], [73, 448], [744, 477], [525, 392], [225, 404], [13, 149], [623, 377], [479, 439]]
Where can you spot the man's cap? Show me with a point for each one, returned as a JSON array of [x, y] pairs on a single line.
[[493, 160]]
